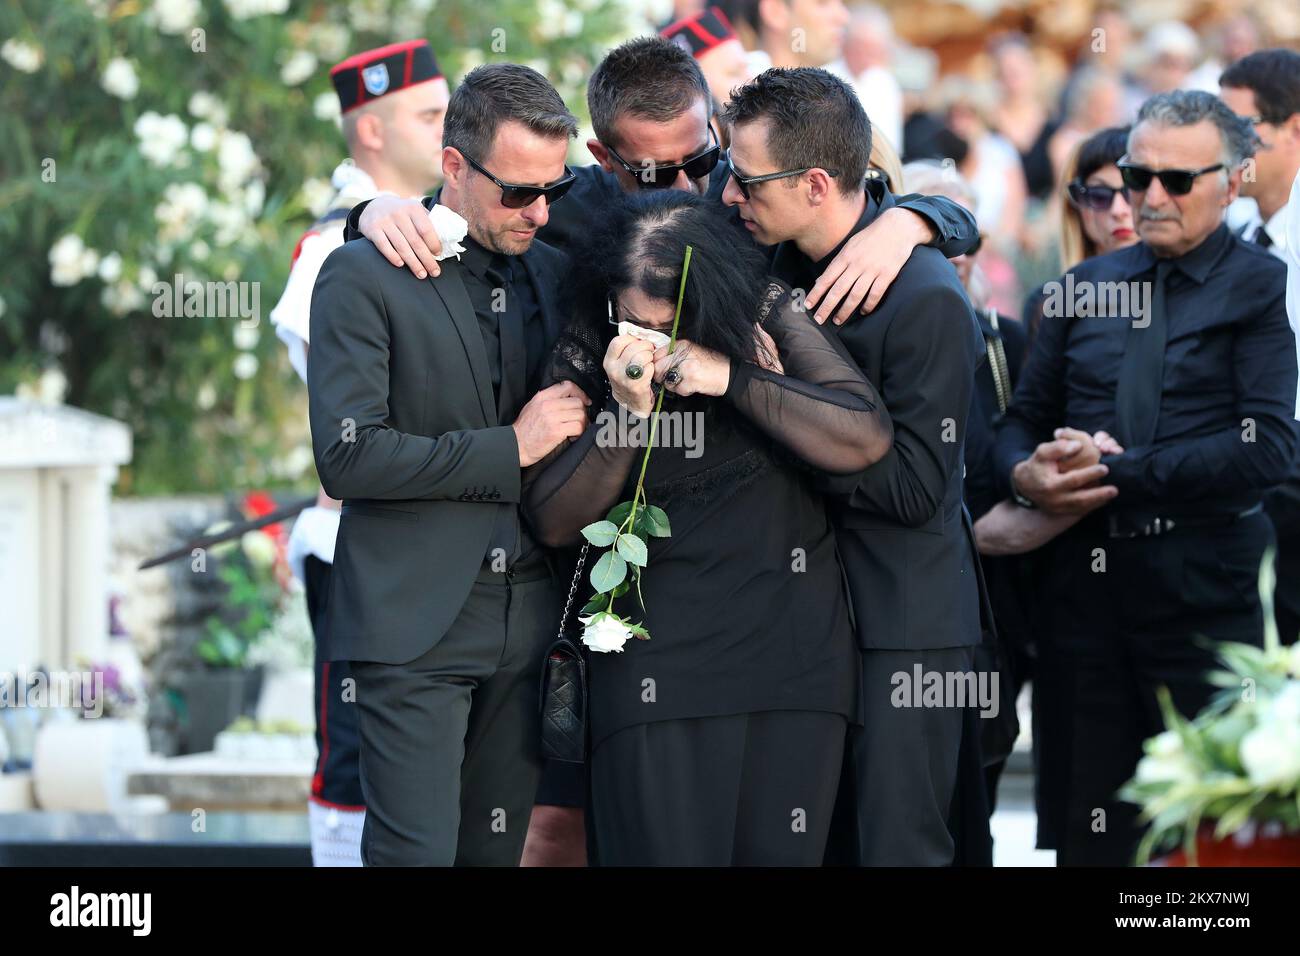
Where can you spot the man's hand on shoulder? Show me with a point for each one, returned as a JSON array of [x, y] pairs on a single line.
[[402, 231], [860, 275]]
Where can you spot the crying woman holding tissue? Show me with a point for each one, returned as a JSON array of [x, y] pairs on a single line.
[[718, 740]]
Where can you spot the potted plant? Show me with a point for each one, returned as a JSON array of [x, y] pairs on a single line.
[[1223, 789], [256, 583]]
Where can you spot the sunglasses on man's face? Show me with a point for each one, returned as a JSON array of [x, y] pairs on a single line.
[[1098, 198], [744, 182], [516, 196], [662, 176], [1177, 182]]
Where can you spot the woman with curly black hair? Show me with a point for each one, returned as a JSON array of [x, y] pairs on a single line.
[[719, 740]]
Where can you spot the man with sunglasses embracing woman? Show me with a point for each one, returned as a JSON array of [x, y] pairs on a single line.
[[1193, 371], [422, 418]]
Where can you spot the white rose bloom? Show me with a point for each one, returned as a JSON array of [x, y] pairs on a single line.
[[24, 57], [182, 208], [161, 137], [203, 137], [230, 221], [326, 107], [298, 68], [451, 228], [236, 158], [206, 106], [1271, 754], [245, 365], [604, 633], [246, 336], [69, 258], [254, 197], [110, 267], [175, 16], [245, 9], [121, 298], [316, 195], [119, 78]]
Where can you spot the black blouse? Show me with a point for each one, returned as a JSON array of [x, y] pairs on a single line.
[[743, 602]]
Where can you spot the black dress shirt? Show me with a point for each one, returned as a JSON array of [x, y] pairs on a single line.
[[1224, 431], [509, 318]]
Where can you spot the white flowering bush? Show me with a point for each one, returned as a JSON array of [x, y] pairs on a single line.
[[146, 139], [1238, 762]]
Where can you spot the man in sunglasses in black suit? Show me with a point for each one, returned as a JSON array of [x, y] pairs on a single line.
[[1193, 370], [650, 109], [423, 414]]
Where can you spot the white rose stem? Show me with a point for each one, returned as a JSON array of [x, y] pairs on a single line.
[[654, 422]]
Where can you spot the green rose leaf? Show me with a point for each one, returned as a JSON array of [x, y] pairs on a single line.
[[657, 522], [597, 603], [618, 514], [622, 589], [632, 548], [601, 533], [608, 573]]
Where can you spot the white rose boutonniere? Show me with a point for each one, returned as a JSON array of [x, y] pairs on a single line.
[[451, 227], [605, 632]]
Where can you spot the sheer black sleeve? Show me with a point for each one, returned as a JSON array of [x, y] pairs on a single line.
[[582, 478], [823, 409]]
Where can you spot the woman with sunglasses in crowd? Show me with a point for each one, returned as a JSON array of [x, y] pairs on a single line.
[[718, 740], [1095, 215]]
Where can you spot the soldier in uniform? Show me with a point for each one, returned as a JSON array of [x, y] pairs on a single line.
[[393, 100]]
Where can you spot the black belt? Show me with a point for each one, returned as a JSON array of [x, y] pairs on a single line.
[[1142, 526]]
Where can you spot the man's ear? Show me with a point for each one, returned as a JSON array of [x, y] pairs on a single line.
[[820, 185], [454, 167], [1234, 186], [601, 154], [370, 131], [773, 14]]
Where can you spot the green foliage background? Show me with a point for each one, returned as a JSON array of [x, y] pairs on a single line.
[[197, 425]]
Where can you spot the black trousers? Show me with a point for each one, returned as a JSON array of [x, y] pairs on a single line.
[[449, 742], [337, 779], [1118, 635], [901, 767], [741, 790]]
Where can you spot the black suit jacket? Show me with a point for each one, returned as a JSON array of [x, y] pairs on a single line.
[[404, 429], [908, 555]]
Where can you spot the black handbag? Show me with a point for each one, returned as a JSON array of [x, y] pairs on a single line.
[[564, 685]]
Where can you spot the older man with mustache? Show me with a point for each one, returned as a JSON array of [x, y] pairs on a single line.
[[1198, 386]]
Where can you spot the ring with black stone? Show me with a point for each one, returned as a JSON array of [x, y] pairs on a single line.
[[634, 371]]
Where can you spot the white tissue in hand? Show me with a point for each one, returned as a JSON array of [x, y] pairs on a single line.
[[451, 229], [657, 339]]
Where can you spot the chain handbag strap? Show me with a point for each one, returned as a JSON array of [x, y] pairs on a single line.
[[573, 587]]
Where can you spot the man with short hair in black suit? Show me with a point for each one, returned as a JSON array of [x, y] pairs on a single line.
[[421, 423], [800, 143]]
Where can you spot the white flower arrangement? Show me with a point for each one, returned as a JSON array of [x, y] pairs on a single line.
[[1237, 763]]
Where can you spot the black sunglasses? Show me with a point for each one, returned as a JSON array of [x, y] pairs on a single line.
[[744, 182], [658, 176], [1099, 198], [1177, 182], [515, 196]]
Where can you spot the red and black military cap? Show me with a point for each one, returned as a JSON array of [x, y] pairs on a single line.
[[700, 33], [365, 77]]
